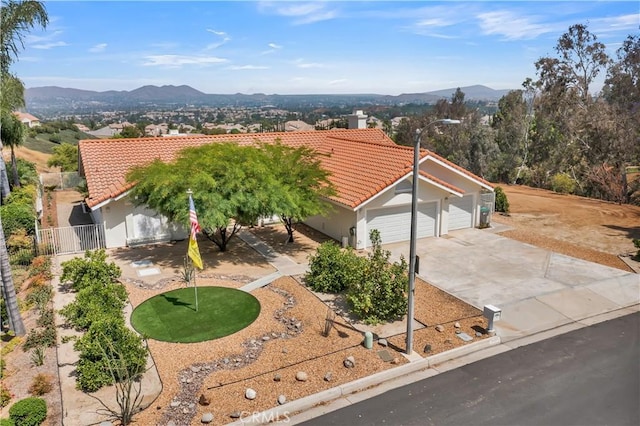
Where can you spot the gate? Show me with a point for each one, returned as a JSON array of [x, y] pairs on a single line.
[[70, 239]]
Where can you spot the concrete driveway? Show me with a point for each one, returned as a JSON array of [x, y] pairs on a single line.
[[536, 289]]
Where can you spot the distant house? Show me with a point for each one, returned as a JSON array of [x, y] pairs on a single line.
[[372, 175], [297, 126], [27, 119]]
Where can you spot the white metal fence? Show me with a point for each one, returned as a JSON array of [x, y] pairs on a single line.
[[70, 239], [67, 180]]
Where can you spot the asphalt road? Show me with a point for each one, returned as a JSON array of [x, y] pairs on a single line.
[[587, 377]]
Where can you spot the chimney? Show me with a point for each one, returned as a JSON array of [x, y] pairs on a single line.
[[357, 120]]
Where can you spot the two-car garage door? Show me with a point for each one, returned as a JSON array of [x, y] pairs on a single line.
[[394, 223]]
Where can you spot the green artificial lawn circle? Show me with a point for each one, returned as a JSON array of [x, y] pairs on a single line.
[[172, 316]]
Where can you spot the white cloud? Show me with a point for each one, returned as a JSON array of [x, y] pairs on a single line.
[[309, 65], [177, 61], [303, 13], [337, 82], [50, 45], [511, 26], [98, 48], [614, 24], [274, 46], [248, 67], [224, 39]]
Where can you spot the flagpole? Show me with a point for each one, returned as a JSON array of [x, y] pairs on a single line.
[[193, 271]]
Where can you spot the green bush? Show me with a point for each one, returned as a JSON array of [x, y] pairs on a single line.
[[95, 302], [28, 412], [37, 337], [40, 296], [107, 345], [92, 269], [563, 183], [381, 293], [502, 203], [18, 217], [3, 365], [636, 243], [332, 269], [6, 422]]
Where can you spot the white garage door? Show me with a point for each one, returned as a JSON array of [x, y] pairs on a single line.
[[460, 212], [394, 223]]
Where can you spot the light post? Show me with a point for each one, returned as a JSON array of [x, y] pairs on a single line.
[[414, 229]]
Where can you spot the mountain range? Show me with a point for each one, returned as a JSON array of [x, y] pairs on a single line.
[[54, 97]]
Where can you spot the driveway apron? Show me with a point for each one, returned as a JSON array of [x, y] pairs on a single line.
[[536, 289]]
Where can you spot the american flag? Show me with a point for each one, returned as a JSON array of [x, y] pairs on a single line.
[[193, 218], [193, 251]]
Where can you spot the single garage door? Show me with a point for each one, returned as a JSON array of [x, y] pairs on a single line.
[[394, 223], [460, 212]]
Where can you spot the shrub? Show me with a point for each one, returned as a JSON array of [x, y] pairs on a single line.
[[18, 217], [92, 269], [107, 343], [381, 293], [563, 183], [40, 296], [38, 355], [502, 203], [3, 365], [93, 303], [636, 243], [40, 265], [46, 318], [5, 396], [40, 385], [7, 422], [40, 337], [28, 412], [332, 269]]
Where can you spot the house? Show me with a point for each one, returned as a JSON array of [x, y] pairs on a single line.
[[372, 176], [27, 119]]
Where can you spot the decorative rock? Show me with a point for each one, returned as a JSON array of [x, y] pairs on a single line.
[[448, 341], [204, 400], [328, 376], [106, 423], [440, 328], [349, 362], [250, 394], [301, 376], [185, 410], [171, 423], [458, 331], [191, 405], [383, 342], [478, 334], [175, 404], [235, 415], [456, 325], [277, 378], [285, 350], [282, 399], [195, 369], [427, 348], [207, 418], [265, 338], [225, 360], [395, 361]]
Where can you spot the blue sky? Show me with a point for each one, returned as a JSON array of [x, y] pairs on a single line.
[[292, 47]]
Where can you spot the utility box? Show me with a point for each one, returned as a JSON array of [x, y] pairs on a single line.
[[492, 313], [485, 217]]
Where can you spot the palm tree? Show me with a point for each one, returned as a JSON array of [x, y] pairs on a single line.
[[8, 290], [12, 134], [17, 19]]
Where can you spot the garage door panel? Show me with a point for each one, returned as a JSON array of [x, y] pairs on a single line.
[[394, 223], [461, 212]]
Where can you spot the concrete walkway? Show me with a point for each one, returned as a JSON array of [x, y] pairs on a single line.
[[536, 289]]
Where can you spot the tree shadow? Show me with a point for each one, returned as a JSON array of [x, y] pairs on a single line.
[[631, 232]]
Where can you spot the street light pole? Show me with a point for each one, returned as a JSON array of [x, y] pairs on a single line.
[[414, 229]]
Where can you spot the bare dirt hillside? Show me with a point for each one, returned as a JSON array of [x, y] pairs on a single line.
[[36, 157], [591, 229]]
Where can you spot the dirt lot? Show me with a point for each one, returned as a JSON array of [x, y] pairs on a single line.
[[581, 227]]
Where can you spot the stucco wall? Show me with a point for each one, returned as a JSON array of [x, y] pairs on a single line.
[[335, 223]]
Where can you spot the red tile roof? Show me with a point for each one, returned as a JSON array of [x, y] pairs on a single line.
[[362, 162]]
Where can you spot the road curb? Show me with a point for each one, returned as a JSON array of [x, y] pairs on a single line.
[[285, 411]]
